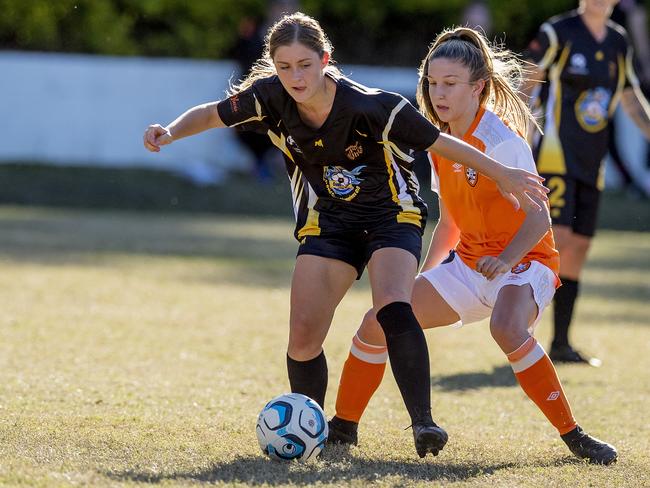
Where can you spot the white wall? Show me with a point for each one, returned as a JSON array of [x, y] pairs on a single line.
[[92, 110]]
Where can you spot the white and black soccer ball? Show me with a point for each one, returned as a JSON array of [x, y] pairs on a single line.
[[292, 426]]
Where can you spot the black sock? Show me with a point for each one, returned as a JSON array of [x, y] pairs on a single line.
[[563, 302], [409, 357], [309, 377]]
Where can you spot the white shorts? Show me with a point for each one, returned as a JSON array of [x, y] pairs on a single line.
[[472, 296]]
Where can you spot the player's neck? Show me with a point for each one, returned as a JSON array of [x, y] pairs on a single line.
[[314, 111], [596, 24], [459, 127]]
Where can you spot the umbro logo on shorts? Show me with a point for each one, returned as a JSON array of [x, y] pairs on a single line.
[[553, 396]]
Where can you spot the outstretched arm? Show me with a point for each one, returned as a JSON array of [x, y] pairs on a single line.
[[517, 185], [195, 120]]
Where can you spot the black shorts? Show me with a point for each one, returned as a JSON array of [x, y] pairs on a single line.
[[355, 247], [573, 203]]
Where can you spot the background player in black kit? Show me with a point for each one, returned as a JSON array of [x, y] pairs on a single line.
[[586, 62], [348, 156]]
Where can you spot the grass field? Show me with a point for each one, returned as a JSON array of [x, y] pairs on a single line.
[[136, 349]]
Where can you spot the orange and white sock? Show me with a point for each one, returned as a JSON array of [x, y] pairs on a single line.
[[361, 376], [538, 378]]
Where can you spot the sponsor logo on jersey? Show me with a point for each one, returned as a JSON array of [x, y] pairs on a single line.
[[342, 183], [458, 168], [291, 142], [234, 103], [318, 143], [354, 151], [591, 109], [471, 176], [520, 268], [578, 64]]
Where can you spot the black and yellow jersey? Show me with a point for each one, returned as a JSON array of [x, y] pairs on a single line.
[[356, 169], [584, 82]]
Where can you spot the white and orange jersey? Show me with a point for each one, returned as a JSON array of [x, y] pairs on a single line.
[[487, 221]]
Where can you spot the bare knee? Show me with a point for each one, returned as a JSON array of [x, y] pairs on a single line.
[[508, 331], [370, 331], [305, 339]]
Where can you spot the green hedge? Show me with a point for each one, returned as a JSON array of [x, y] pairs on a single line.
[[394, 32]]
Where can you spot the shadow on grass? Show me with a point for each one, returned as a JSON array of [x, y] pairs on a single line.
[[501, 376], [334, 468], [625, 291]]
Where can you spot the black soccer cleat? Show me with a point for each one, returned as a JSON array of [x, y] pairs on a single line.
[[342, 431], [587, 447], [566, 354], [428, 438]]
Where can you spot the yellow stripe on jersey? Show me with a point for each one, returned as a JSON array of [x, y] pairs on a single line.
[[620, 84], [281, 143], [257, 118], [551, 157], [556, 71], [409, 213], [629, 68], [296, 189], [312, 226], [550, 53]]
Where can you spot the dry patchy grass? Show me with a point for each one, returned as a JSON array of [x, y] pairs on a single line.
[[137, 349]]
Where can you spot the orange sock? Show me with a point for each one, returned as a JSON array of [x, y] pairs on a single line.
[[538, 378], [361, 376]]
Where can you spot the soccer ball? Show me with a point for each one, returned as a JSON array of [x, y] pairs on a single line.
[[292, 426]]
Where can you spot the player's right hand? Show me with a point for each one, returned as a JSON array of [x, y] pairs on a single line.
[[155, 136]]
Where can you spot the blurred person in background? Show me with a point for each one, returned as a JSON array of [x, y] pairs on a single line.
[[248, 48], [632, 15], [585, 62], [347, 154], [503, 264], [477, 15]]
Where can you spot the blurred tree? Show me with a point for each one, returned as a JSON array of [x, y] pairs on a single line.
[[363, 31]]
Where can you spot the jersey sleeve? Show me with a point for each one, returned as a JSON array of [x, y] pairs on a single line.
[[245, 110], [544, 48], [407, 130], [514, 153], [631, 79], [435, 181]]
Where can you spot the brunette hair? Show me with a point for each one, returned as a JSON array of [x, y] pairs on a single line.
[[296, 27]]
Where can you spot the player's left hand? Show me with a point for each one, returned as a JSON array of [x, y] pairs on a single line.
[[491, 267], [517, 185]]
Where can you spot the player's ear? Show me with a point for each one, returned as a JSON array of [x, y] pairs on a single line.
[[478, 87], [325, 59]]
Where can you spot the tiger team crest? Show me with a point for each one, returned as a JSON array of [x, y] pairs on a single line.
[[471, 176], [592, 108], [354, 151], [520, 268], [342, 183]]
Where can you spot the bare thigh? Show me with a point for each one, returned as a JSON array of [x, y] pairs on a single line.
[[317, 287], [429, 307], [514, 312]]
